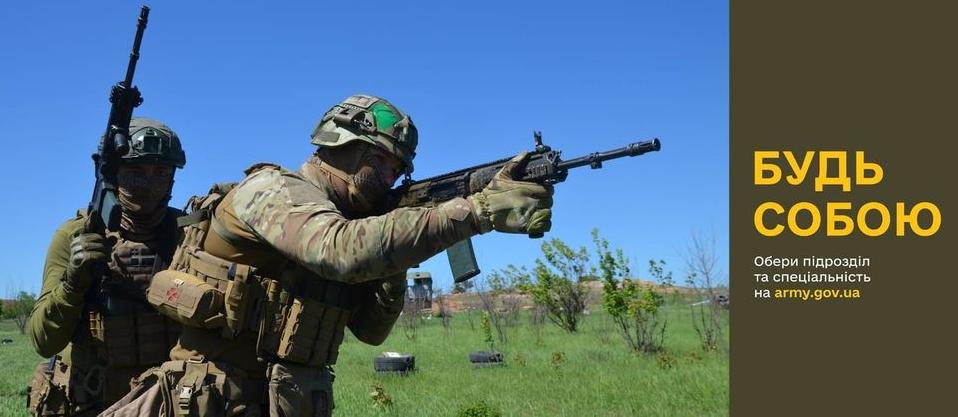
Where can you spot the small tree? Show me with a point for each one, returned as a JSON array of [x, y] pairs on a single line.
[[558, 287], [411, 317], [503, 285], [634, 306], [537, 321], [508, 279], [442, 309], [703, 273], [489, 302], [469, 311], [19, 310], [485, 325]]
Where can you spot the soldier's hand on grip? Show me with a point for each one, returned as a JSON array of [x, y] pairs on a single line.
[[511, 206], [390, 293], [86, 250]]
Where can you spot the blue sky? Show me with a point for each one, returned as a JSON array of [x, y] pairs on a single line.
[[243, 83]]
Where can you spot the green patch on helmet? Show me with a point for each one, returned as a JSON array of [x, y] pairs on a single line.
[[386, 118]]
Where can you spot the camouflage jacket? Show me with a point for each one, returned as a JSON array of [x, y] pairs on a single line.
[[275, 216]]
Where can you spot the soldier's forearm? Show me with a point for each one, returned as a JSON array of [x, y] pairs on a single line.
[[301, 222], [373, 322], [54, 320], [355, 251]]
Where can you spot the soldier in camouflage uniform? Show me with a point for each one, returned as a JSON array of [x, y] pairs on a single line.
[[293, 258], [97, 328]]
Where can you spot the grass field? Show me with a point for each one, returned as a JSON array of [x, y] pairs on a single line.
[[596, 377]]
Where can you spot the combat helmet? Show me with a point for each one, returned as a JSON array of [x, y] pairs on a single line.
[[369, 119], [154, 142]]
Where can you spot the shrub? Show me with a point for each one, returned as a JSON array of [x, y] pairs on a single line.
[[379, 397], [478, 409], [633, 305], [485, 326], [558, 288], [411, 318], [703, 274]]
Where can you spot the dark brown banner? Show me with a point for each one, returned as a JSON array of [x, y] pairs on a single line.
[[843, 322]]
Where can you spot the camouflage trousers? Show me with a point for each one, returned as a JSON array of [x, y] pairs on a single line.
[[211, 389]]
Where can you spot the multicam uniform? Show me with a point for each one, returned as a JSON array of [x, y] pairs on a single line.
[[273, 270], [103, 333], [294, 273]]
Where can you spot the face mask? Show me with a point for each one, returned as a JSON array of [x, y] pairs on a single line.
[[370, 178], [140, 192], [365, 178], [143, 197]]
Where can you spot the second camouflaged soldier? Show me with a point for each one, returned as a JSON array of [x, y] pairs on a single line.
[[98, 329], [272, 271]]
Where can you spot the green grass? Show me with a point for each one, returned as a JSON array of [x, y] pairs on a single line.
[[17, 361], [598, 376]]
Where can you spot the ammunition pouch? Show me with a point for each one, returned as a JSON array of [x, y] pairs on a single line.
[[202, 290], [49, 391], [209, 292], [311, 322], [58, 389], [297, 316], [297, 390], [206, 389], [195, 389], [300, 322], [139, 338]]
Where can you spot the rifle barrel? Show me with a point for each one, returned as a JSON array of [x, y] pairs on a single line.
[[135, 53], [595, 159]]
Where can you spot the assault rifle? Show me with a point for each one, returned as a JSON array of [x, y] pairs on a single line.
[[103, 211], [544, 167]]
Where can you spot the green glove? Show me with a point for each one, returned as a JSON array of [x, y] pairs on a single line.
[[511, 206], [391, 293], [86, 251]]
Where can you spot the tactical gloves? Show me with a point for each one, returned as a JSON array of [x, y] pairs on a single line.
[[511, 206], [86, 250], [391, 292]]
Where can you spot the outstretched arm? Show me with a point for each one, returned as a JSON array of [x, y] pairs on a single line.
[[299, 220]]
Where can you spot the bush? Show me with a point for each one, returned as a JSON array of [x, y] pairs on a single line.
[[497, 302], [411, 317], [442, 311], [485, 326], [379, 397], [633, 305], [708, 318], [558, 287], [478, 409]]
